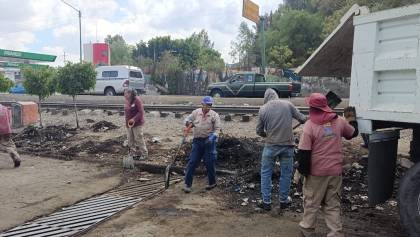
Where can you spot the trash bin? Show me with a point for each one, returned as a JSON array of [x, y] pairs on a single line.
[[383, 147], [24, 114]]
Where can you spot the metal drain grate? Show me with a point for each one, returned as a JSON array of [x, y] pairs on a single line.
[[81, 217]]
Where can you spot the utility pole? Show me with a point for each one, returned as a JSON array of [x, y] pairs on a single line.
[[64, 57], [80, 27], [263, 62]]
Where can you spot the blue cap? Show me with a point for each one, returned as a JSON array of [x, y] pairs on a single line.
[[208, 100]]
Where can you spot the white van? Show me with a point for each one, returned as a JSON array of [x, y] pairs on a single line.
[[112, 80]]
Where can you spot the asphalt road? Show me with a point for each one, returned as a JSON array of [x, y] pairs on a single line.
[[152, 99]]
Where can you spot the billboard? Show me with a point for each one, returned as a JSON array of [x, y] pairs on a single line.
[[251, 11], [97, 53]]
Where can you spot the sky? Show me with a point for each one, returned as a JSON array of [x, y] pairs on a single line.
[[51, 27]]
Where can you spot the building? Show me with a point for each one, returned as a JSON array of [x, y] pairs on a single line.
[[97, 53], [12, 61]]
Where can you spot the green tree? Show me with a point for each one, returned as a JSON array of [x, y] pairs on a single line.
[[243, 49], [169, 72], [280, 57], [121, 52], [5, 83], [41, 82], [74, 79], [300, 31]]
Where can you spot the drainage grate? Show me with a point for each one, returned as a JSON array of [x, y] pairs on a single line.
[[83, 216]]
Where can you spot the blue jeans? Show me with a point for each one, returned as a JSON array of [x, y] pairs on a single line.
[[202, 148], [269, 155]]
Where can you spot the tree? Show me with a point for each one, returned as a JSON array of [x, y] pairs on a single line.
[[74, 79], [244, 48], [41, 82], [169, 71], [5, 83], [300, 31], [280, 57], [121, 52]]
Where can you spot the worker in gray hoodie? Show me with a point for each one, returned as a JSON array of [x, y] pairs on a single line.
[[275, 125]]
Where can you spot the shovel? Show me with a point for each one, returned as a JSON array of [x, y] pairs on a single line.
[[174, 159], [128, 161]]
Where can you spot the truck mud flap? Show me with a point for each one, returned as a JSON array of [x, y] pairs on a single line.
[[383, 147]]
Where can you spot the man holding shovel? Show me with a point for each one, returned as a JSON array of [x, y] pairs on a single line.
[[206, 123], [134, 119]]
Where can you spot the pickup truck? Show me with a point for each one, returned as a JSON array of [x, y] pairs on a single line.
[[251, 84]]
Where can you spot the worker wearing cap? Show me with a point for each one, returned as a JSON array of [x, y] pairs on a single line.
[[6, 143], [320, 159], [275, 120], [206, 123], [134, 121]]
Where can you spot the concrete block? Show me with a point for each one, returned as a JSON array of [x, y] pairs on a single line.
[[55, 111], [246, 118], [228, 118], [164, 114]]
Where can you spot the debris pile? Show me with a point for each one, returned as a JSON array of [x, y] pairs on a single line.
[[103, 126], [48, 141]]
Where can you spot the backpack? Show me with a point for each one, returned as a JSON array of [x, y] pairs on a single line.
[[5, 119]]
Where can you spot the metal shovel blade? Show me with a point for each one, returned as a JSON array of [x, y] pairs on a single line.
[[167, 175]]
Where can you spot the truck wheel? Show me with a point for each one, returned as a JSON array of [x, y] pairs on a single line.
[[216, 93], [110, 91], [409, 201]]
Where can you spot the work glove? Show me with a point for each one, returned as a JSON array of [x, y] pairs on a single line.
[[350, 113], [303, 162], [212, 137]]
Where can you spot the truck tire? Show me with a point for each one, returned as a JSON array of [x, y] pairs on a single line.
[[409, 201], [216, 93], [109, 91]]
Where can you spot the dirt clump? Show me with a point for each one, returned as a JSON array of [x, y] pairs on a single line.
[[103, 126]]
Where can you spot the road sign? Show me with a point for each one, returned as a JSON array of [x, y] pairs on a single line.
[[251, 11]]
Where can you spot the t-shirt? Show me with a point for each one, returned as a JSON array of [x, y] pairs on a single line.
[[204, 124], [325, 143]]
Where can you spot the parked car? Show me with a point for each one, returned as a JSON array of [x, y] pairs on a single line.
[[18, 89], [112, 80], [249, 84]]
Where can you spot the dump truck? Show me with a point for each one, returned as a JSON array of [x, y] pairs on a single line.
[[380, 52]]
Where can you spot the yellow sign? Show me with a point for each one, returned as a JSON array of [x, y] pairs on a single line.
[[251, 11]]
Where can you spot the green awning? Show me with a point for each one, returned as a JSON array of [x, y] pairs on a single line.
[[27, 55], [20, 65]]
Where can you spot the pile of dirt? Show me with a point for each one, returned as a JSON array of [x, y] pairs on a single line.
[[109, 146], [49, 133], [63, 142], [48, 141], [103, 126]]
